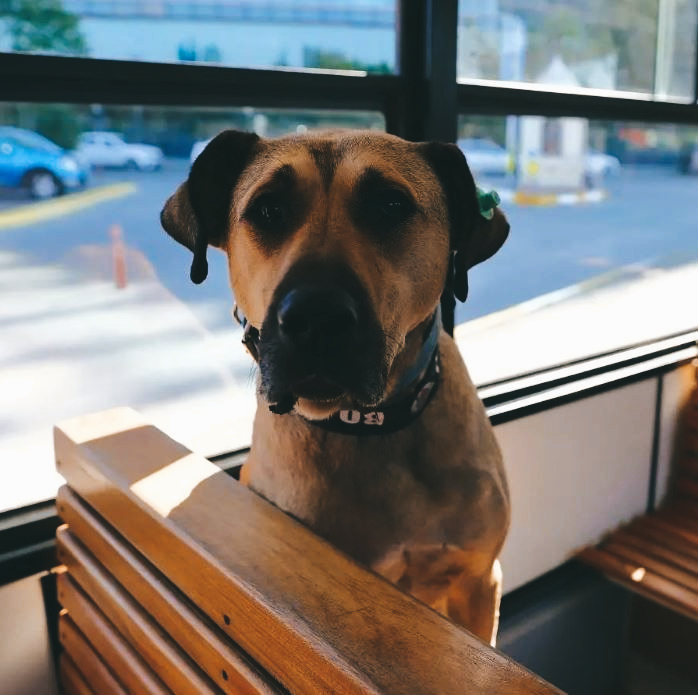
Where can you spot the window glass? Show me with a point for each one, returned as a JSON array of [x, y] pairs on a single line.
[[333, 34], [98, 310], [603, 248], [629, 45]]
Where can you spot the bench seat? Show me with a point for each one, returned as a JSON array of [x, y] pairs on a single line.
[[175, 578], [656, 554]]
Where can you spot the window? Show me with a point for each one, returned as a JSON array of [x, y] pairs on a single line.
[[594, 261], [579, 112], [286, 33], [645, 46], [101, 290]]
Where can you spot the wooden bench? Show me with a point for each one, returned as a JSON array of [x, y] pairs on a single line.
[[656, 555], [177, 579]]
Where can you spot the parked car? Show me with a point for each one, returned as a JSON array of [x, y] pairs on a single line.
[[486, 156], [107, 149], [31, 161], [600, 164]]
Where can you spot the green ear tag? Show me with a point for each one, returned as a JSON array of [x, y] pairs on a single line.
[[488, 202]]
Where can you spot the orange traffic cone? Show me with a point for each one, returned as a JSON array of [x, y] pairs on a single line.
[[118, 256]]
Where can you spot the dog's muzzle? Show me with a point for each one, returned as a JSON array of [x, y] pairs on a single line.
[[320, 340], [316, 319]]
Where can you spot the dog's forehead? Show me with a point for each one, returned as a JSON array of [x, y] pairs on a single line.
[[329, 154]]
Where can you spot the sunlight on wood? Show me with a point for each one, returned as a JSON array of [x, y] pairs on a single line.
[[638, 575], [168, 487]]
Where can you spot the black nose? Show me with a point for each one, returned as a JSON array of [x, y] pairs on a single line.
[[317, 317]]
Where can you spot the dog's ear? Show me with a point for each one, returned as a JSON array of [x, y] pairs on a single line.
[[197, 214], [474, 236]]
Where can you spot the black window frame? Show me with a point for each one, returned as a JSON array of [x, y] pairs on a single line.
[[422, 101]]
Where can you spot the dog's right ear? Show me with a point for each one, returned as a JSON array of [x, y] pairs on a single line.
[[474, 236], [197, 214]]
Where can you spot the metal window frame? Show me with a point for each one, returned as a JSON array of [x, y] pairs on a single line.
[[422, 102]]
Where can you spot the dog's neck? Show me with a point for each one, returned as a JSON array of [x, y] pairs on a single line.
[[413, 360]]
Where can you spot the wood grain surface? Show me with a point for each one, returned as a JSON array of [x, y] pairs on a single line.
[[72, 681], [80, 651], [114, 650], [306, 613], [196, 634], [171, 664]]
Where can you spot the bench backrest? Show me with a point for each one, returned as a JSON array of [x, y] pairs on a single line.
[[182, 576]]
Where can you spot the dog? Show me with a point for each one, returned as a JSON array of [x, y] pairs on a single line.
[[368, 429]]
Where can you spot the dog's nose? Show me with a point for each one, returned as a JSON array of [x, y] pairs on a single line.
[[310, 316]]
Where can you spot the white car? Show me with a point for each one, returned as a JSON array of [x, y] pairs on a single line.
[[600, 164], [106, 149], [486, 156]]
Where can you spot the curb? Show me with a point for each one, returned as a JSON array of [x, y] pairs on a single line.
[[549, 199], [49, 209]]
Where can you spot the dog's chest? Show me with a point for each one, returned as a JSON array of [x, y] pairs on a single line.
[[373, 495]]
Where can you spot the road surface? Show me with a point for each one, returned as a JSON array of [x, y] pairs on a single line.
[[74, 343], [648, 216]]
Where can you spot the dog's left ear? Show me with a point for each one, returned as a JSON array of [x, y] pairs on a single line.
[[197, 214], [474, 236]]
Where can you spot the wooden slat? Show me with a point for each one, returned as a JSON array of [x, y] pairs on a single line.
[[690, 442], [315, 620], [687, 487], [679, 519], [209, 647], [659, 566], [691, 419], [157, 649], [120, 657], [647, 583], [685, 506], [689, 463], [72, 681], [670, 527], [663, 545], [94, 670]]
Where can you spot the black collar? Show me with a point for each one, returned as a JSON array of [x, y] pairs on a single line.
[[411, 395]]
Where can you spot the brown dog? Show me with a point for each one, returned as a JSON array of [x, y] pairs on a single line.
[[368, 428]]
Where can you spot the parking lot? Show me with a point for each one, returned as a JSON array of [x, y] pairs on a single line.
[[549, 248], [75, 343]]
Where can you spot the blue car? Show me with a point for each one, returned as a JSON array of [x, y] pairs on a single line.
[[32, 162]]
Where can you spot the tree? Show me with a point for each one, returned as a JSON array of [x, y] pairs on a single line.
[[587, 29], [43, 25], [329, 60], [564, 32]]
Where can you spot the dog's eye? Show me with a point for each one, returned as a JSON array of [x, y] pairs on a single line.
[[268, 211], [393, 205]]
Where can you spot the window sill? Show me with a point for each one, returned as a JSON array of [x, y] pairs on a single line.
[[640, 307]]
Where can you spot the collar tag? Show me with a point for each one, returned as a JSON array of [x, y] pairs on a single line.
[[487, 202]]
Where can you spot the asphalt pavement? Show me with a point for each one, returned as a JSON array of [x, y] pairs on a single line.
[[648, 216], [73, 342]]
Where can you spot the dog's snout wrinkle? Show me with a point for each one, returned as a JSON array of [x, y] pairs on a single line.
[[307, 316]]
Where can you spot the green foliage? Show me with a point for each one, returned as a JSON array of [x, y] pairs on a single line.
[[580, 30], [564, 33], [58, 123], [43, 25], [329, 60]]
